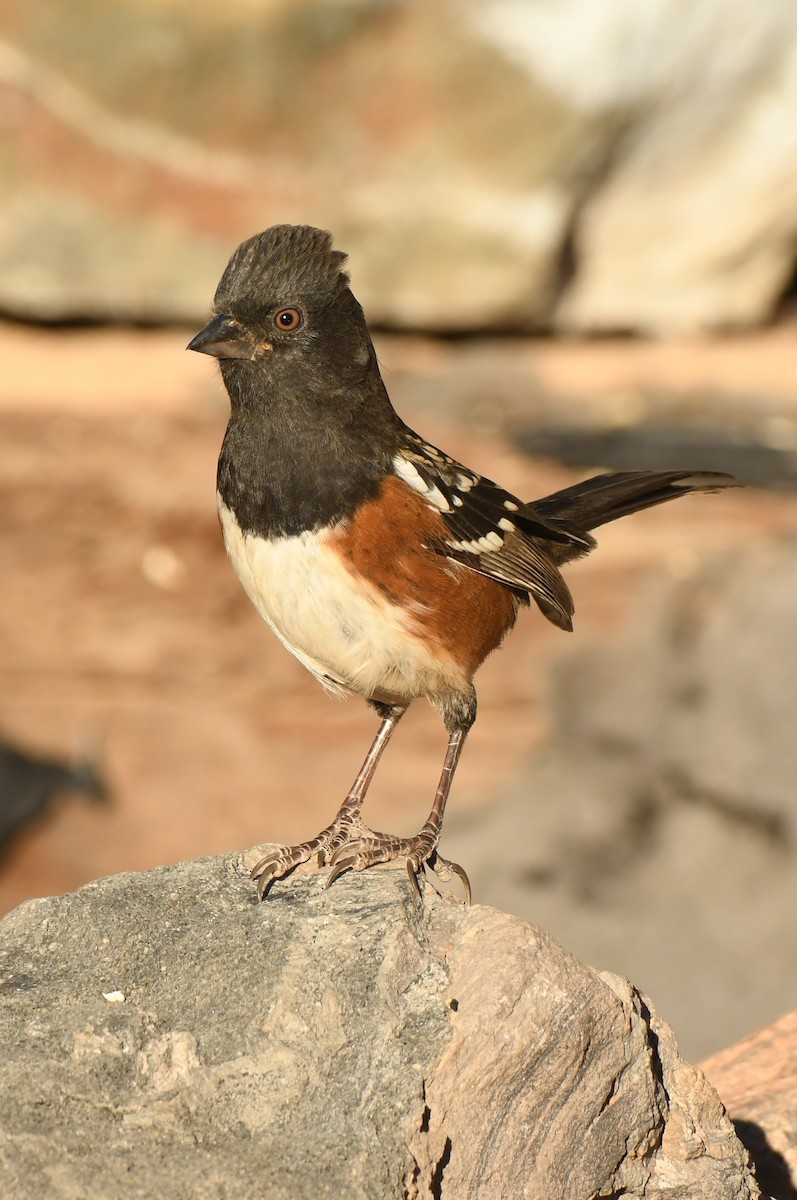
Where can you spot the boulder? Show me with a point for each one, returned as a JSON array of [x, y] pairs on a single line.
[[165, 1034], [758, 1081]]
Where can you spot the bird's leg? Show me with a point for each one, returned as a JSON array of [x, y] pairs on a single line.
[[283, 859], [347, 819], [421, 850]]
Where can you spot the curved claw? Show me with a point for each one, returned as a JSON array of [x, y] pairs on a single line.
[[444, 869], [355, 848], [277, 865], [340, 868], [360, 861], [268, 874], [462, 875], [360, 854], [413, 868], [354, 856]]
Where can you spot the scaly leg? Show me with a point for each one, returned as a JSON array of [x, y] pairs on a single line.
[[371, 847], [284, 859]]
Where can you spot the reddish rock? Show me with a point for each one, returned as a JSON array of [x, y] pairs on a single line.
[[757, 1080]]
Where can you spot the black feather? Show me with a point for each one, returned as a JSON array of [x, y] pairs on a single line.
[[537, 538], [593, 502]]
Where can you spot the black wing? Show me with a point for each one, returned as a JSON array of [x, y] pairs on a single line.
[[492, 531]]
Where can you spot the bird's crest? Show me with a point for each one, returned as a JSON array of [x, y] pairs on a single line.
[[283, 261]]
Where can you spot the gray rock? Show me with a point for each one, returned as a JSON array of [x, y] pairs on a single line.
[[500, 164], [691, 186], [163, 1034]]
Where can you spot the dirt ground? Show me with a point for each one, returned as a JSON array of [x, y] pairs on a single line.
[[122, 625]]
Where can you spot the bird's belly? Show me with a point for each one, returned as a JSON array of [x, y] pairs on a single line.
[[339, 627]]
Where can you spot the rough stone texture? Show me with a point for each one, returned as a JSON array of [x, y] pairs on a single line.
[[165, 1034], [500, 163], [656, 832], [758, 1082]]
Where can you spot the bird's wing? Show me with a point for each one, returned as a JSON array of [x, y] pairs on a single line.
[[490, 530]]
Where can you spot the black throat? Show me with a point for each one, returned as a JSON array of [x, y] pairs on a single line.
[[302, 454]]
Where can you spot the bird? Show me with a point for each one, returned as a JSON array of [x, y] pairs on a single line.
[[390, 570]]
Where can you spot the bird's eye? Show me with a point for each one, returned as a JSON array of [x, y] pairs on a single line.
[[288, 319]]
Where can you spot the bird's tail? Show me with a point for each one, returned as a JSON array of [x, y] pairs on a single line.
[[593, 502]]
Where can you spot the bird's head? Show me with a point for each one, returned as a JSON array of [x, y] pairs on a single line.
[[283, 311]]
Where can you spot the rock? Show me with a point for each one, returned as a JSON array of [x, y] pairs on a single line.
[[656, 833], [758, 1081], [164, 1034], [504, 164], [685, 227], [392, 124]]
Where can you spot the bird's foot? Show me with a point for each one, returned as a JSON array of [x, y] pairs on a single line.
[[349, 845], [371, 848], [280, 861]]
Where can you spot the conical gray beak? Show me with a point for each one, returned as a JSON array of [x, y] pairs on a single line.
[[223, 337]]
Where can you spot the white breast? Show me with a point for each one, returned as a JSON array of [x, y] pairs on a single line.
[[340, 628]]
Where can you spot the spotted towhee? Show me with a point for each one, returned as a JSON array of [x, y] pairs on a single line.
[[390, 570]]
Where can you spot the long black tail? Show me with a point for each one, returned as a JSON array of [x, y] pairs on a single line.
[[603, 498]]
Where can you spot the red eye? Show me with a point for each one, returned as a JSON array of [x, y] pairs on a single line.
[[288, 319]]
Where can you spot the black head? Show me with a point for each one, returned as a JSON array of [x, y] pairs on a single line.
[[283, 312], [312, 431]]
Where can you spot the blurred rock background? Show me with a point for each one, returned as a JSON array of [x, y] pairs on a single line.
[[550, 171], [498, 164]]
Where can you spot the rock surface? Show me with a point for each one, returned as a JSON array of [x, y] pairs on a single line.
[[497, 164], [657, 832], [165, 1031], [758, 1082]]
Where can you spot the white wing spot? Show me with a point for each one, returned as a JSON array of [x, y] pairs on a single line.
[[510, 504], [489, 542], [466, 482], [457, 501], [506, 525], [409, 473], [437, 498], [404, 468]]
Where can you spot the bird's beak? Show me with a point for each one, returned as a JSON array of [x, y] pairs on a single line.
[[223, 337]]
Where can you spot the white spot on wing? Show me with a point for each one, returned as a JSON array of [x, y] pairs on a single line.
[[483, 545], [511, 506], [410, 474], [438, 499], [506, 525]]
